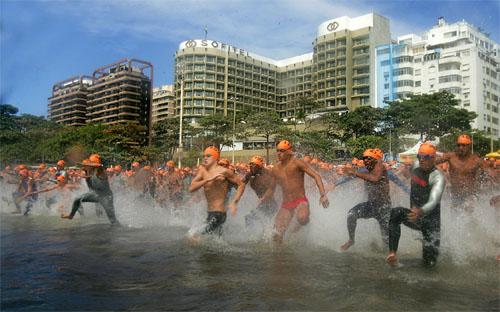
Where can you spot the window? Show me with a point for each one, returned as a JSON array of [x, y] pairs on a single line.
[[450, 78], [450, 34]]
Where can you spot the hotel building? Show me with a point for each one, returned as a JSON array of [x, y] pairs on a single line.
[[218, 77]]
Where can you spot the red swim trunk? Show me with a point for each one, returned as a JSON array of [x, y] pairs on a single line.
[[291, 205]]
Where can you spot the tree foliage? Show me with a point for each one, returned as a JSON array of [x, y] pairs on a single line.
[[429, 115], [266, 125]]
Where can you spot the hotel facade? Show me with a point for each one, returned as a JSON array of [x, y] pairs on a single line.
[[337, 74]]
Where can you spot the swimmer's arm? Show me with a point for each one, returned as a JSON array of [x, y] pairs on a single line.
[[313, 175], [437, 181], [394, 178], [269, 192], [446, 157], [234, 179], [374, 176], [199, 181]]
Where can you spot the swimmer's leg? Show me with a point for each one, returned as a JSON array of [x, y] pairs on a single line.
[[431, 231], [383, 220], [398, 215], [362, 210], [77, 203], [281, 222], [107, 204]]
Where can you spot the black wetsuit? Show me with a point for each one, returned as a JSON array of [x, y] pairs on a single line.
[[426, 191], [100, 192], [215, 220], [378, 207]]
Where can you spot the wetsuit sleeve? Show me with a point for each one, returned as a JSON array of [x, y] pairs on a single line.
[[346, 179], [394, 178], [437, 182]]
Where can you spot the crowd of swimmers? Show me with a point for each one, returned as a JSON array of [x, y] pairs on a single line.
[[461, 173]]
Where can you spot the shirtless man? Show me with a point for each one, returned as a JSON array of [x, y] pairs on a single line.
[[215, 182], [378, 205], [465, 170], [26, 190], [174, 184], [289, 175], [263, 183]]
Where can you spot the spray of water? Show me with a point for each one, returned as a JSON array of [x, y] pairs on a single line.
[[464, 237]]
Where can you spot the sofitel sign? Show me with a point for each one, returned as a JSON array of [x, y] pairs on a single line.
[[213, 44]]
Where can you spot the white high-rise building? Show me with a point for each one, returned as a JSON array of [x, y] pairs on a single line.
[[458, 58]]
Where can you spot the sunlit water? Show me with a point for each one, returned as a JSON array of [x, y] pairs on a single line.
[[147, 264]]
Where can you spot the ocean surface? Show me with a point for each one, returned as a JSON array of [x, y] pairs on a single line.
[[148, 264]]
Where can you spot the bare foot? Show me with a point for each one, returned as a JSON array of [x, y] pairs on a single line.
[[66, 216], [498, 258], [392, 259], [346, 245]]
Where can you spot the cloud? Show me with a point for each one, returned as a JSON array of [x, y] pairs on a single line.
[[276, 29]]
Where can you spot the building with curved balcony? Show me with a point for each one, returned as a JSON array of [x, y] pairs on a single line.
[[68, 103], [121, 93], [458, 58]]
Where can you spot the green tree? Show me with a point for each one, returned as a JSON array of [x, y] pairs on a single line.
[[364, 120], [429, 115], [304, 105], [356, 146], [217, 130], [480, 139], [266, 125]]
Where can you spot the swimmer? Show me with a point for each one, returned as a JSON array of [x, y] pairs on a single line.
[[289, 175], [427, 186], [215, 181]]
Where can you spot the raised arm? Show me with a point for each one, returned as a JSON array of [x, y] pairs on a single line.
[[234, 179], [317, 178]]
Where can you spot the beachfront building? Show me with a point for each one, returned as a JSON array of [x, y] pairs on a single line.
[[68, 103], [121, 93], [163, 103], [217, 77], [458, 58]]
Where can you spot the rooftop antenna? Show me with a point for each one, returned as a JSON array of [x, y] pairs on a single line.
[[206, 32]]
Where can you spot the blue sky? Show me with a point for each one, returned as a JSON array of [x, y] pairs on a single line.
[[43, 42]]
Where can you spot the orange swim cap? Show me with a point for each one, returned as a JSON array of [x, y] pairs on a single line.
[[61, 163], [257, 160], [95, 160], [24, 172], [147, 168], [170, 164], [61, 178], [21, 167], [42, 166], [110, 170], [379, 153], [212, 151], [464, 139], [284, 145], [118, 168], [370, 153], [427, 149], [224, 162], [136, 164]]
